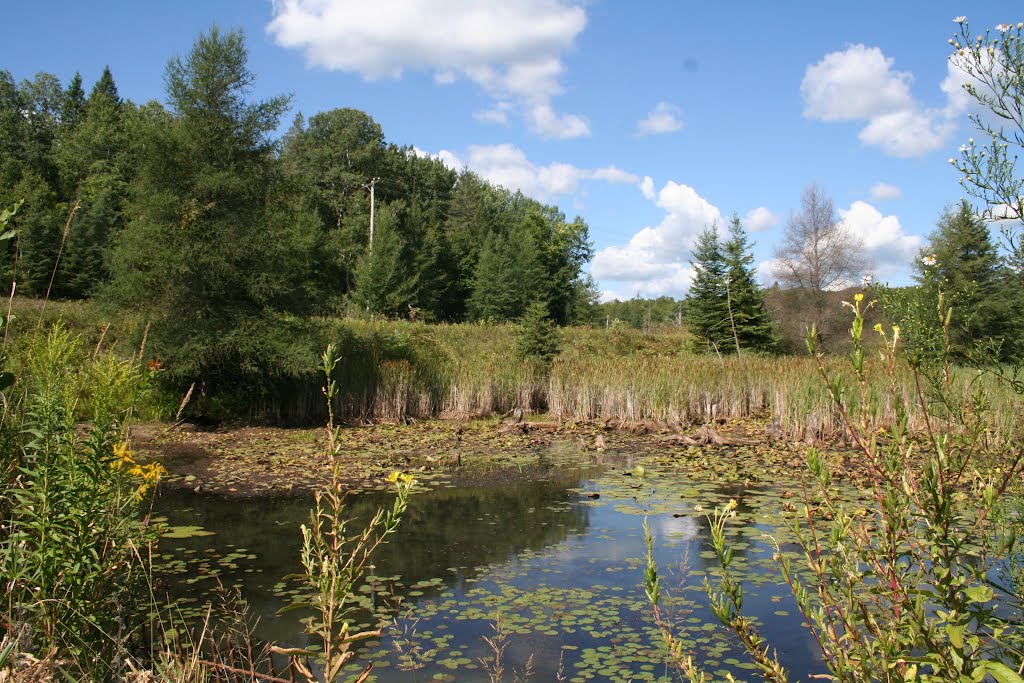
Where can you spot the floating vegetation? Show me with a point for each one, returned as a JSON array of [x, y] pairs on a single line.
[[548, 540]]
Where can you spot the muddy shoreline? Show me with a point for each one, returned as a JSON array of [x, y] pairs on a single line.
[[253, 462]]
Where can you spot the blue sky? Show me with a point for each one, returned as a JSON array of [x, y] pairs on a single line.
[[650, 119]]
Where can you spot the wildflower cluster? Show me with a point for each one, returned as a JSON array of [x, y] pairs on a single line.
[[994, 65], [147, 475]]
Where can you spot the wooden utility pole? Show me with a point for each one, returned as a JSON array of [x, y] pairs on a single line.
[[373, 181]]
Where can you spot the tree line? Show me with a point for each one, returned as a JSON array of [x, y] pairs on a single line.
[[193, 215]]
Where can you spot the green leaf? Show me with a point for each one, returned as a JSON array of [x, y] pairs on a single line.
[[979, 593], [956, 635], [1001, 672]]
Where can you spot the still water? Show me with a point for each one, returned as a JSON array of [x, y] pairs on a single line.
[[555, 553]]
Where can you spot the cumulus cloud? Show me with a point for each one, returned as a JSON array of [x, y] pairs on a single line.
[[656, 259], [860, 84], [511, 48], [508, 166], [760, 219], [664, 118], [885, 242], [884, 191]]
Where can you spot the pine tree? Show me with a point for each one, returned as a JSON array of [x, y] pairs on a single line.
[[438, 273], [202, 257], [707, 306], [750, 319]]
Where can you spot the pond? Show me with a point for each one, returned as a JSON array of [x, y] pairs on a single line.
[[553, 550]]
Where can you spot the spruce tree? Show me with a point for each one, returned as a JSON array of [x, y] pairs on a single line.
[[753, 326], [73, 104], [495, 293], [537, 337], [707, 306], [385, 284], [963, 264]]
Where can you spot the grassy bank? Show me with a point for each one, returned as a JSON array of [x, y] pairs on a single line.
[[395, 370]]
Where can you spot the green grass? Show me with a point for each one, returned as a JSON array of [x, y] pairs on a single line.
[[393, 370]]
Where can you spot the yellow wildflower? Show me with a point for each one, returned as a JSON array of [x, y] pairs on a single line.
[[858, 297], [878, 328]]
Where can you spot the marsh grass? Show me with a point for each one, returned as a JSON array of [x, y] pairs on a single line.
[[402, 371]]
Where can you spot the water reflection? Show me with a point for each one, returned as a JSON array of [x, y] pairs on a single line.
[[558, 553]]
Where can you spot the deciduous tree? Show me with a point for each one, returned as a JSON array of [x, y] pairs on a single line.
[[818, 253]]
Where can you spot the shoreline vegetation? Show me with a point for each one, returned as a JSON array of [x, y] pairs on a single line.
[[397, 371]]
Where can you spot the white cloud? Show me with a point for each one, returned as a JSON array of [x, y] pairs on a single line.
[[664, 118], [859, 84], [766, 272], [647, 187], [884, 191], [511, 48], [444, 156], [671, 280], [908, 133], [656, 259], [508, 166], [548, 124], [760, 219], [498, 113], [885, 242]]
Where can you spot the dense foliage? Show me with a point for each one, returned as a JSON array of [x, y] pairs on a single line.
[[227, 240]]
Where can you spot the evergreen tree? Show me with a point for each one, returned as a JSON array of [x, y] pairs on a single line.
[[537, 337], [95, 163], [753, 326], [507, 277], [202, 255], [495, 295], [73, 104], [385, 284], [707, 306], [473, 217], [105, 88], [41, 223], [438, 275], [962, 263]]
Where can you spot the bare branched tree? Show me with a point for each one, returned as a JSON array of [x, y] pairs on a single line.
[[818, 253]]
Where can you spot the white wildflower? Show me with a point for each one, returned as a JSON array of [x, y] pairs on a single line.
[[961, 19], [1002, 28]]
